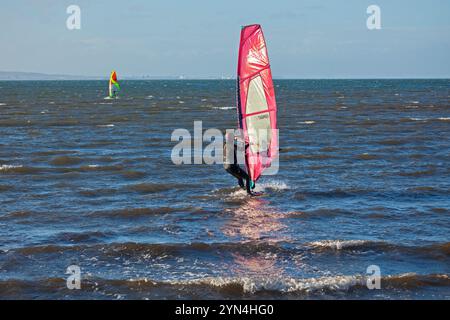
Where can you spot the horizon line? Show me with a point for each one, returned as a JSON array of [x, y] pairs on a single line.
[[230, 79], [38, 76]]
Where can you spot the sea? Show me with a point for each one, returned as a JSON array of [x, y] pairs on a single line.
[[93, 207]]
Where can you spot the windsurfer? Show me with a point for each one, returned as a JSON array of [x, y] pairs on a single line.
[[231, 165]]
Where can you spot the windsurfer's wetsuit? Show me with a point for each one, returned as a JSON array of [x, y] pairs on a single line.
[[233, 168]]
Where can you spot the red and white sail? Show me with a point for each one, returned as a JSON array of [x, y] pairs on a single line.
[[257, 108]]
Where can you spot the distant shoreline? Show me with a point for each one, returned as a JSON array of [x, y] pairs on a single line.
[[216, 79], [35, 76]]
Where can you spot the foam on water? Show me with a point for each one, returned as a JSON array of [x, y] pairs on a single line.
[[272, 185], [338, 244], [6, 167], [280, 284], [224, 108], [286, 285], [307, 122]]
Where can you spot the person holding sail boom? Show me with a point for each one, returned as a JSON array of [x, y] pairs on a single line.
[[231, 165]]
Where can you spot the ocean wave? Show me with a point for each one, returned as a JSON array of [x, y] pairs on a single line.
[[17, 215], [347, 244], [96, 167], [214, 287], [307, 156], [318, 213], [418, 173], [418, 119], [7, 167], [253, 285], [66, 160], [133, 212], [224, 108], [307, 122], [157, 187], [134, 248], [438, 251], [62, 122], [20, 169], [97, 192], [424, 119], [239, 195], [272, 186], [335, 193], [131, 174], [391, 142], [84, 236], [5, 187], [428, 190], [54, 152], [366, 156]]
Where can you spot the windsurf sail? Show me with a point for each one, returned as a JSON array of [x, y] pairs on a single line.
[[257, 108], [114, 86]]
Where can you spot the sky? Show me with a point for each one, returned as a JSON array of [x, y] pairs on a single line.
[[199, 38]]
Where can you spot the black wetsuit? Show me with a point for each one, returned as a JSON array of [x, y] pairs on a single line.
[[233, 167]]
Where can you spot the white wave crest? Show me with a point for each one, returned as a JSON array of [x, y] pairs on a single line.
[[6, 167], [307, 122], [280, 284], [223, 108], [274, 185], [337, 244]]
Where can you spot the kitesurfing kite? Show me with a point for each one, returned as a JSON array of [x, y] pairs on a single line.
[[114, 86], [256, 105]]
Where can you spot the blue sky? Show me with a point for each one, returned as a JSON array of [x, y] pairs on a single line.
[[199, 38]]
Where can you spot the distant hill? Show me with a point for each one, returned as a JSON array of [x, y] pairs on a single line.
[[8, 75], [23, 76]]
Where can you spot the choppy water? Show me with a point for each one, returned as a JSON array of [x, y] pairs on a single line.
[[364, 180]]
